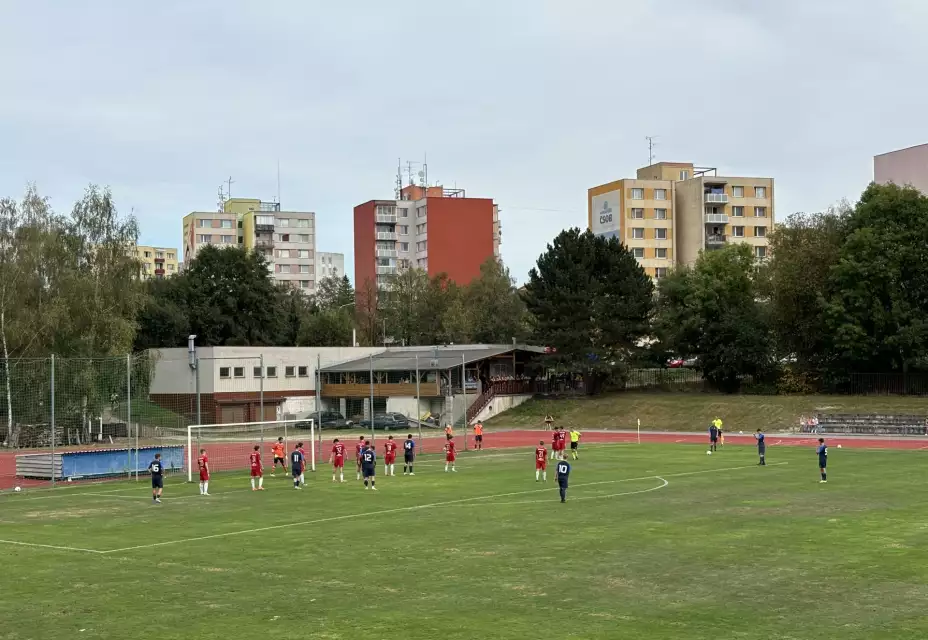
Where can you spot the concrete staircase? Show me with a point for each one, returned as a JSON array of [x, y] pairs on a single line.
[[872, 424]]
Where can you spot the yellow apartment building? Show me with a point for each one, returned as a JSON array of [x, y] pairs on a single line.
[[671, 211], [157, 262]]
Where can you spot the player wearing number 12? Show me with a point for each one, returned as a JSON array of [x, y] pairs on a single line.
[[156, 468], [541, 461], [368, 465], [203, 463], [257, 471], [296, 466], [389, 457]]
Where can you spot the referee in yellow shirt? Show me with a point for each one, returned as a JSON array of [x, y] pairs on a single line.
[[717, 423], [574, 443]]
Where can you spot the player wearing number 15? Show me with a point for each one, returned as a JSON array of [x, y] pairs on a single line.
[[156, 468], [256, 470], [541, 462], [296, 466], [203, 463]]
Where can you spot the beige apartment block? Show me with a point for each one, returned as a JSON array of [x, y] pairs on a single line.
[[672, 211], [157, 262]]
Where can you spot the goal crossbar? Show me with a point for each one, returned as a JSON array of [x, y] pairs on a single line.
[[250, 433]]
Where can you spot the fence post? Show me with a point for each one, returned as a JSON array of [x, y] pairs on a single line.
[[261, 398], [464, 392], [319, 402], [129, 405], [371, 412], [52, 419], [196, 376], [418, 401]]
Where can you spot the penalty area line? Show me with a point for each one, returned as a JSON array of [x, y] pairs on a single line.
[[419, 507], [48, 546]]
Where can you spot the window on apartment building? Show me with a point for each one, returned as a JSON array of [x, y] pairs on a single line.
[[660, 234], [737, 192], [283, 268], [303, 372], [638, 252], [737, 211], [660, 214], [283, 222], [760, 252], [638, 233], [760, 192], [303, 237], [737, 232], [637, 214], [304, 223], [684, 175], [423, 263], [306, 284], [283, 253], [241, 240], [422, 245], [170, 267], [660, 272], [403, 230], [226, 224], [256, 372], [238, 372], [660, 253], [204, 238], [204, 224], [172, 256], [228, 239], [404, 246], [264, 220], [304, 253], [420, 212], [660, 194], [148, 254], [403, 213], [283, 237], [760, 232], [304, 268], [637, 194], [421, 228], [272, 372], [760, 212], [224, 372], [290, 372]]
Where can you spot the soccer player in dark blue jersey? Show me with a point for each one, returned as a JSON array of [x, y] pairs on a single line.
[[368, 466], [296, 466], [156, 468], [713, 437], [761, 448], [563, 474], [822, 451], [409, 454]]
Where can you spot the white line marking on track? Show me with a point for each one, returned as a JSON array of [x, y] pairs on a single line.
[[404, 509], [48, 546]]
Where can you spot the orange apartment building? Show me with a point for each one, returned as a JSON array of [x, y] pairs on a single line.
[[435, 229]]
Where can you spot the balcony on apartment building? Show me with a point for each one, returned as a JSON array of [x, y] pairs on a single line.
[[385, 253], [388, 270], [385, 218], [715, 197], [264, 228], [715, 218], [715, 240], [264, 242], [386, 235]]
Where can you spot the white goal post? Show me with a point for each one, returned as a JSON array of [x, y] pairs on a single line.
[[228, 445]]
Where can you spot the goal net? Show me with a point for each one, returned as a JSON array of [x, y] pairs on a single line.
[[229, 446]]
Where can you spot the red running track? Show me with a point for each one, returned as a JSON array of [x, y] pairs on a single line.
[[234, 456]]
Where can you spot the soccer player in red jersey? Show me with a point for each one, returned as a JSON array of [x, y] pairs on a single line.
[[358, 450], [541, 461], [561, 443], [203, 463], [299, 447], [338, 460], [449, 455], [256, 470], [389, 457], [554, 439]]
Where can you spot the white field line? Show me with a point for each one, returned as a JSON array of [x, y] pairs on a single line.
[[403, 509], [603, 497], [48, 546]]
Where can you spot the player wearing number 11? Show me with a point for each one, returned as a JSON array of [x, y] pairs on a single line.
[[296, 466]]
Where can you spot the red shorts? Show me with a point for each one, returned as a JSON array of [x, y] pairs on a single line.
[[389, 458], [541, 465], [204, 476], [560, 445], [257, 472], [338, 462], [449, 457]]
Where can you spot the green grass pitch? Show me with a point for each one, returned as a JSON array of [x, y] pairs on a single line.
[[655, 541]]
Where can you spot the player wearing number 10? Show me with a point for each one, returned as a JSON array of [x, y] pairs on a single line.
[[563, 473]]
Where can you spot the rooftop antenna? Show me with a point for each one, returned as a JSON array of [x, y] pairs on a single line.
[[229, 190], [222, 200], [278, 180], [399, 178], [651, 144], [424, 174]]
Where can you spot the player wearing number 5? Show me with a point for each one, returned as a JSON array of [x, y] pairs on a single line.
[[156, 468], [563, 473]]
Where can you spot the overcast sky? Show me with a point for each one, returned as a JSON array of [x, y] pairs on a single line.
[[528, 102]]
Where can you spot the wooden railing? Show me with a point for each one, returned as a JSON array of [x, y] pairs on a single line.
[[381, 390]]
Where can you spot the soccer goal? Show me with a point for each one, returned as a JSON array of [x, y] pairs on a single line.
[[228, 446]]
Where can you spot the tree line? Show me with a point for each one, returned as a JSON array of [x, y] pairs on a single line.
[[844, 291]]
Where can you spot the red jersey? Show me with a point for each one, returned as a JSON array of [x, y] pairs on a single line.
[[390, 447], [303, 452], [338, 450], [203, 463], [255, 460], [541, 454], [555, 437], [450, 446], [358, 449]]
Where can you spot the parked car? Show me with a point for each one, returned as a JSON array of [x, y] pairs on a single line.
[[387, 421], [328, 420], [679, 363]]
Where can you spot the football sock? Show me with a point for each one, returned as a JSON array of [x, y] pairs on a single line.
[[302, 478], [365, 484], [544, 476], [206, 487], [446, 468], [343, 476], [296, 483], [252, 483], [537, 474], [824, 475], [261, 483]]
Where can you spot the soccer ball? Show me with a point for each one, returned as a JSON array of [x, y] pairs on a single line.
[[709, 453], [839, 446], [17, 489]]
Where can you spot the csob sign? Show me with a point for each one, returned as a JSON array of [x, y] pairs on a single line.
[[605, 214]]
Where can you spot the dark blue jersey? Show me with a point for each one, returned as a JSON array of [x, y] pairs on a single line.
[[409, 446], [563, 471], [157, 468], [760, 440], [368, 458], [713, 432], [296, 460], [822, 452]]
